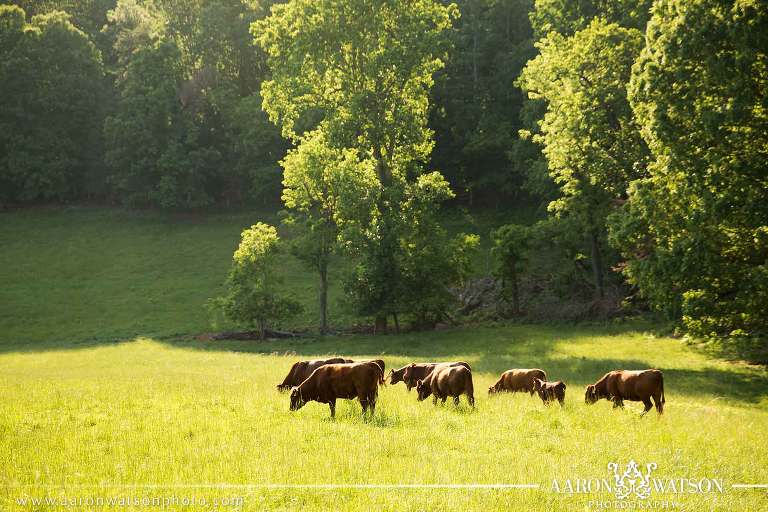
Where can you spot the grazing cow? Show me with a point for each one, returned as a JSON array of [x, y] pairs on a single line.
[[379, 362], [515, 380], [414, 372], [549, 391], [445, 381], [346, 381], [635, 386], [303, 369]]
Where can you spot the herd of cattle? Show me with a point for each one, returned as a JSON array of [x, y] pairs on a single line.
[[326, 380]]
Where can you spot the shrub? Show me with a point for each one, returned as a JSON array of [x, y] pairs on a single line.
[[253, 296]]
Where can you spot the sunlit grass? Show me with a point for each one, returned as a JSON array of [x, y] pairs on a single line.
[[186, 412]]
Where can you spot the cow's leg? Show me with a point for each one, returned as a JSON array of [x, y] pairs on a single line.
[[648, 406], [659, 404], [618, 402], [364, 403], [471, 400], [456, 400], [443, 399], [372, 405], [434, 399], [332, 405]]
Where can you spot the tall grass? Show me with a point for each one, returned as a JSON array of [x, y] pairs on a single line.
[[156, 413]]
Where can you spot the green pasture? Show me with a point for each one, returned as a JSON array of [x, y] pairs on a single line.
[[106, 391]]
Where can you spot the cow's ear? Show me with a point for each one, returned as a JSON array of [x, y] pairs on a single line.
[[412, 365]]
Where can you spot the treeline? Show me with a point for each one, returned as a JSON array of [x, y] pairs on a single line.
[[641, 124], [162, 108]]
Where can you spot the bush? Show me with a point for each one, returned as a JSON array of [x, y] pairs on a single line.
[[253, 296]]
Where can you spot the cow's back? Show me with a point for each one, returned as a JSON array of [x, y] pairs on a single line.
[[348, 380], [451, 380], [521, 379]]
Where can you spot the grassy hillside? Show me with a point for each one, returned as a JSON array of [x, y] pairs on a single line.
[[167, 417], [81, 274]]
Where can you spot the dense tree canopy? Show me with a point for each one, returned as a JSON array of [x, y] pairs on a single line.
[[50, 117], [696, 229], [592, 144], [641, 124]]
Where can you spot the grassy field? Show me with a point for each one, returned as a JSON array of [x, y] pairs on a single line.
[[105, 393], [162, 414]]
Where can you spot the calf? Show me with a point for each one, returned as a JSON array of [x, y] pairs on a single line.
[[346, 381], [635, 386], [445, 381], [414, 372], [515, 380], [303, 369], [549, 391]]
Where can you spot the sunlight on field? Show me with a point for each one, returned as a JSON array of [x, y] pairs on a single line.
[[168, 413]]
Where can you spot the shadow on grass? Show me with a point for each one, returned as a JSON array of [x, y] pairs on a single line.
[[490, 350]]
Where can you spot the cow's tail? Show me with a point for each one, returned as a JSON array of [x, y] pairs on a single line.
[[382, 381], [469, 389], [662, 390]]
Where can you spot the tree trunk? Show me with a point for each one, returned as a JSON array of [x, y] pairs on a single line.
[[381, 325], [262, 329], [597, 263], [323, 297], [515, 291], [397, 323]]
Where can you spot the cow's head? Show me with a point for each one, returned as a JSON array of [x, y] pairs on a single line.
[[297, 401], [538, 384], [591, 396], [492, 390], [423, 389], [395, 376]]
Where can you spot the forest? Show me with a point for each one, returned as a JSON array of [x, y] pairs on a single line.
[[635, 132]]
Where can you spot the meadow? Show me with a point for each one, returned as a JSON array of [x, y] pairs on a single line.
[[106, 391]]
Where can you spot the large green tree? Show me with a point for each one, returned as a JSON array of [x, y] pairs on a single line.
[[360, 72], [591, 142], [51, 77], [188, 129], [329, 194], [695, 231]]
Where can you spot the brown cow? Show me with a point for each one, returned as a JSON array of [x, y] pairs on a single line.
[[445, 381], [635, 386], [303, 369], [346, 381], [515, 380], [549, 391], [413, 372], [379, 362]]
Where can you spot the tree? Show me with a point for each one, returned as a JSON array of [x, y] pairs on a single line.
[[188, 129], [591, 141], [510, 243], [51, 77], [253, 296], [326, 191], [694, 231], [475, 113], [567, 17], [360, 72]]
